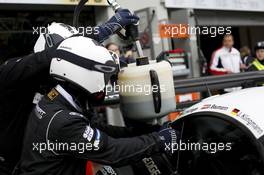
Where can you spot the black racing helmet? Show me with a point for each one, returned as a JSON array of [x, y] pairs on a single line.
[[259, 45]]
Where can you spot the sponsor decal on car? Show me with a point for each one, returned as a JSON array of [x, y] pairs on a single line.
[[188, 111], [246, 119], [207, 106], [214, 107], [235, 112]]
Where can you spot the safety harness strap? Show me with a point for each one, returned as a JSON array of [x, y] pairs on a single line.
[[258, 65]]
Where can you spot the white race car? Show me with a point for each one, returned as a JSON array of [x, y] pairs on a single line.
[[222, 135]]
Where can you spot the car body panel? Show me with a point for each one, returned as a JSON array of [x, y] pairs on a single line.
[[245, 106]]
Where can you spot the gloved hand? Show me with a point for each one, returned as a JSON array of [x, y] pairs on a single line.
[[168, 139], [121, 19], [165, 125], [107, 170]]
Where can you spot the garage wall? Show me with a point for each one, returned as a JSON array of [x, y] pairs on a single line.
[[227, 18], [140, 4], [135, 5], [250, 35]]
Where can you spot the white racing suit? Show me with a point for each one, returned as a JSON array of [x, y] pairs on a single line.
[[224, 60]]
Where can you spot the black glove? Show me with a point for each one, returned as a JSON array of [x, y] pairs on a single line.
[[168, 138], [120, 20], [107, 170], [165, 126]]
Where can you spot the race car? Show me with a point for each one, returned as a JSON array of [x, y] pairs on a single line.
[[222, 134]]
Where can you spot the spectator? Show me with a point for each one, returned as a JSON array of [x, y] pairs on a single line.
[[258, 62], [124, 60], [246, 56], [226, 60], [114, 48]]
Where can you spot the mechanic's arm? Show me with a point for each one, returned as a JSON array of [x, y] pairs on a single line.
[[121, 19], [102, 149], [214, 66], [121, 132], [251, 68], [24, 71]]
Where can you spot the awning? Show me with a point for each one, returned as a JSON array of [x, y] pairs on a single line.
[[239, 5], [55, 2], [227, 18]]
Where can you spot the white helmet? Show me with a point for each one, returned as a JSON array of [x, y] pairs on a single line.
[[85, 63], [55, 33]]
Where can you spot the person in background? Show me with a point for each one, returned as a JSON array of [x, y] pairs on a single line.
[[125, 59], [246, 56], [258, 62], [226, 59]]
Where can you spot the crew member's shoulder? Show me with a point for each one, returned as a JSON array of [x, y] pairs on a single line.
[[252, 67], [234, 50], [219, 50], [65, 118], [69, 115], [75, 114], [217, 53]]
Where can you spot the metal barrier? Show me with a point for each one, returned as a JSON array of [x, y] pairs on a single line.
[[201, 84]]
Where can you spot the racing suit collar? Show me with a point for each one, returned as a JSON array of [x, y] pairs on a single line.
[[228, 49], [68, 97]]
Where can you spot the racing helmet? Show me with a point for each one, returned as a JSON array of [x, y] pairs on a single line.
[[86, 64], [54, 33], [259, 45]]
